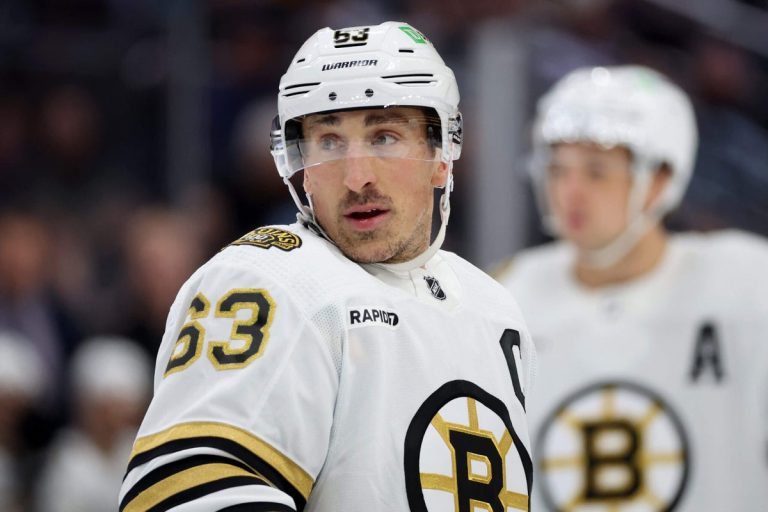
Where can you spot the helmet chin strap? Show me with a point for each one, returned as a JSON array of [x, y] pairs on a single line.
[[445, 212], [306, 214], [640, 223], [620, 246]]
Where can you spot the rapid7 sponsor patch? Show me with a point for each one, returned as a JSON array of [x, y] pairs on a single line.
[[364, 316]]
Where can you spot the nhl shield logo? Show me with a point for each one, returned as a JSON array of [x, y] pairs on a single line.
[[434, 288]]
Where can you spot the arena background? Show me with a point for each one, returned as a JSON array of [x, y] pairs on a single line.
[[134, 145]]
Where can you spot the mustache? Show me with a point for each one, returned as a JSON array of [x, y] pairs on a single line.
[[365, 197]]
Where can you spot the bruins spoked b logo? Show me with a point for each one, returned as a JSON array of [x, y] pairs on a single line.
[[612, 447], [462, 454]]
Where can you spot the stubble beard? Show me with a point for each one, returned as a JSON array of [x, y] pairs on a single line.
[[393, 247], [385, 245]]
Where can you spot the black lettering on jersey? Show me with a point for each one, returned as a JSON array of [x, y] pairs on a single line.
[[707, 356], [509, 340], [362, 316], [267, 237], [190, 341], [485, 490], [434, 288], [254, 332], [623, 460], [190, 335]]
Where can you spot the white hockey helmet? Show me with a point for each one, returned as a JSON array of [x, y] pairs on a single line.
[[386, 65], [629, 106]]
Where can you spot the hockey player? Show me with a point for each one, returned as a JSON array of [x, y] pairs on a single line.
[[344, 363], [652, 391]]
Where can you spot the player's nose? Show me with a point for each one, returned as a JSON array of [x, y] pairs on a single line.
[[358, 172]]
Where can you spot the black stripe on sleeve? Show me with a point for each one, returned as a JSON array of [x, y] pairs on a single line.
[[231, 447], [258, 507], [172, 468], [203, 490]]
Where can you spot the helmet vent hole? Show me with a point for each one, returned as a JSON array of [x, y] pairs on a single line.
[[415, 79], [369, 92], [301, 60], [332, 96], [405, 50]]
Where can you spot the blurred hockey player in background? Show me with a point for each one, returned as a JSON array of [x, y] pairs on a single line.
[[110, 382], [652, 390]]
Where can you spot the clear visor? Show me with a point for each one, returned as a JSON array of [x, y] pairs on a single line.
[[602, 124], [331, 139]]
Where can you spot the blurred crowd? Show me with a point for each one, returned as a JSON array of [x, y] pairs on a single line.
[[97, 235]]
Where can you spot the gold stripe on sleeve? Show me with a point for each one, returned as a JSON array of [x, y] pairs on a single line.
[[181, 482], [299, 478]]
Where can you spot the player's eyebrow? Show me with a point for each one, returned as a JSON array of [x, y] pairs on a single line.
[[371, 119], [384, 117], [325, 120]]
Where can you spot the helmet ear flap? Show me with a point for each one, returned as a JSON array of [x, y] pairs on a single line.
[[278, 134], [284, 146], [455, 134], [277, 148], [276, 138], [293, 130]]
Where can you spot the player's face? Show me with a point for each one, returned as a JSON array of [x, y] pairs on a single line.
[[372, 181], [588, 189]]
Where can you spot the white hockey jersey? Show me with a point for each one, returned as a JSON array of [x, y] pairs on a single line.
[[653, 395], [290, 378]]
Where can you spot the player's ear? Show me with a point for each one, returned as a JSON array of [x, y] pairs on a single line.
[[660, 182], [307, 183], [440, 175]]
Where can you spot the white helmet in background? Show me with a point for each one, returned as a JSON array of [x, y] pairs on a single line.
[[110, 367], [627, 106], [387, 65]]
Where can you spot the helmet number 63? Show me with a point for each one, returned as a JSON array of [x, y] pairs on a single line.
[[350, 37]]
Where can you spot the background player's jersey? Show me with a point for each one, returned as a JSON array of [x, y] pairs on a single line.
[[291, 376], [650, 396]]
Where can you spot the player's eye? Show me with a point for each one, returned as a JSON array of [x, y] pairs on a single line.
[[555, 171], [328, 142], [384, 139], [597, 170]]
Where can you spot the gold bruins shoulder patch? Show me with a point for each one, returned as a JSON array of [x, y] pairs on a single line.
[[267, 237]]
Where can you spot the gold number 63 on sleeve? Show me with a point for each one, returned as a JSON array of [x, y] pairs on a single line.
[[252, 333]]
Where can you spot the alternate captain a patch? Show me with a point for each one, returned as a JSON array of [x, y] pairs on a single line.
[[267, 237]]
